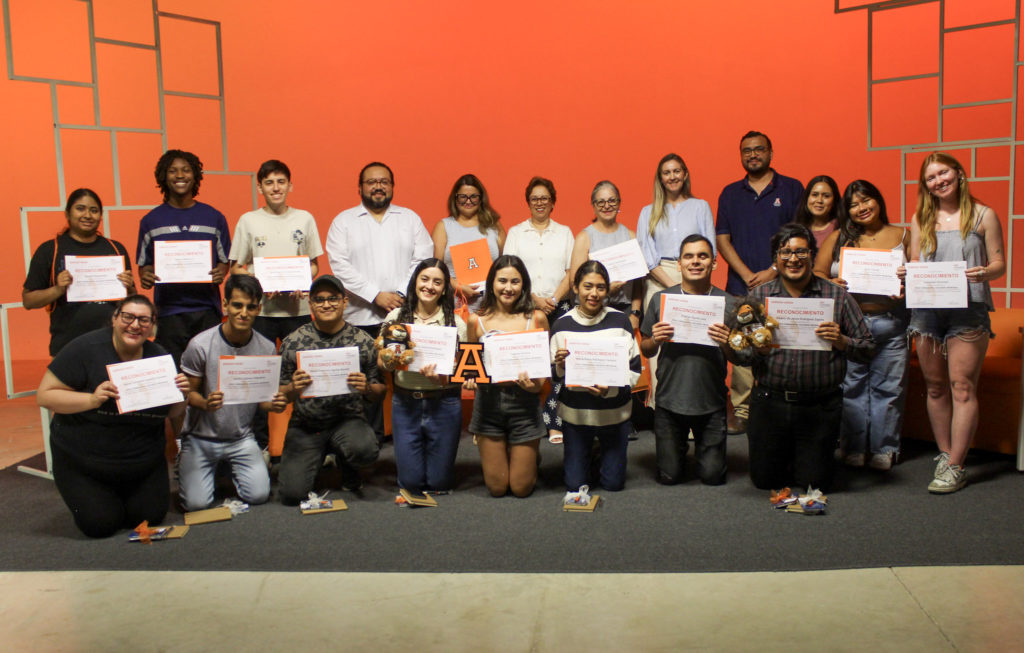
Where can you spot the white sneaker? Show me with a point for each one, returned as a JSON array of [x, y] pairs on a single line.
[[881, 461], [942, 462], [854, 459], [951, 479]]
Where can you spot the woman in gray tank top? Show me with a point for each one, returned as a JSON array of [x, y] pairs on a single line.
[[470, 217], [950, 225]]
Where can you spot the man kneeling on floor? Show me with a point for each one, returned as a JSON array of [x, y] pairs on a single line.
[[216, 433], [327, 424]]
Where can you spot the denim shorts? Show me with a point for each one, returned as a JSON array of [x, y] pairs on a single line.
[[507, 410], [941, 324]]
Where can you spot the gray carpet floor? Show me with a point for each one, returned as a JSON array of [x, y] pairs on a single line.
[[873, 520]]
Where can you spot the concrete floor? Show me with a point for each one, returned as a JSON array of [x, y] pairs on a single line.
[[897, 609]]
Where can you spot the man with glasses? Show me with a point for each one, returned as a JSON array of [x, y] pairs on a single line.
[[334, 424], [797, 403], [749, 212], [373, 248], [216, 432]]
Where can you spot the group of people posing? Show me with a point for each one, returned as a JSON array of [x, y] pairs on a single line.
[[778, 238]]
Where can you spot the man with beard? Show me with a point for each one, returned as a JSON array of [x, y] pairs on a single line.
[[797, 404], [750, 211], [374, 248]]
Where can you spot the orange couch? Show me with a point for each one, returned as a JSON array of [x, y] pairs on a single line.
[[999, 390]]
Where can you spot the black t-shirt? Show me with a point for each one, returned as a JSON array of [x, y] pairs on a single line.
[[71, 319], [102, 434]]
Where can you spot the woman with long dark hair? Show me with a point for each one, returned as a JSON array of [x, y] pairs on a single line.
[[820, 209]]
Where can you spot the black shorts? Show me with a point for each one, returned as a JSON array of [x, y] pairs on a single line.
[[507, 411]]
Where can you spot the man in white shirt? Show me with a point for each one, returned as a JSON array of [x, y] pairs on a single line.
[[374, 248]]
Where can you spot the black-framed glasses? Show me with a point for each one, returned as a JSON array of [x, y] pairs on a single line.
[[332, 300], [747, 151], [800, 252], [128, 318], [606, 204], [462, 198]]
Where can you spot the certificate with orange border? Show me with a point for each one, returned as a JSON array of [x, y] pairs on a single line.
[[507, 355], [94, 278], [471, 261], [283, 273], [329, 369], [248, 379], [183, 261], [691, 315], [145, 383], [870, 271]]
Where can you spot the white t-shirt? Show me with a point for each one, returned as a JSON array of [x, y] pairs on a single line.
[[547, 254], [262, 233]]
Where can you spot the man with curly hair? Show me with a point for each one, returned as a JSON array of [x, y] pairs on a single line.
[[185, 309]]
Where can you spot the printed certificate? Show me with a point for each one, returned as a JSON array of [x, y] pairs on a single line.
[[329, 368], [248, 379], [624, 261], [145, 383], [937, 285], [94, 278], [596, 360], [183, 261], [798, 317], [691, 315], [283, 273], [471, 261], [434, 344], [508, 354], [870, 271]]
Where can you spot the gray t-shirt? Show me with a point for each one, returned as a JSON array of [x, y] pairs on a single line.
[[202, 359], [691, 377]]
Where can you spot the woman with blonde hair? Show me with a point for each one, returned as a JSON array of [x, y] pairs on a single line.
[[951, 225]]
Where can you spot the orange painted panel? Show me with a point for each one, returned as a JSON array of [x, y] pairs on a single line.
[[992, 161], [1016, 244], [42, 226], [972, 12], [193, 124], [128, 88], [138, 185], [898, 51], [969, 51], [30, 330], [1018, 181], [88, 162], [904, 113], [124, 228], [980, 122], [50, 38], [124, 20], [189, 56], [75, 105]]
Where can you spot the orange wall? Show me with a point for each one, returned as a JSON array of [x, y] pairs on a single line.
[[577, 91]]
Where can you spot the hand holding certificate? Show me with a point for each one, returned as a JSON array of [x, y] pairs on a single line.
[[506, 355], [435, 345], [183, 261], [799, 319], [248, 379], [329, 369], [937, 285], [870, 271], [145, 383], [596, 360], [623, 261], [283, 273], [94, 278], [692, 315]]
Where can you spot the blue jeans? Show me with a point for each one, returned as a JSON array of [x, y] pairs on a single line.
[[197, 466], [578, 441], [426, 436], [874, 393]]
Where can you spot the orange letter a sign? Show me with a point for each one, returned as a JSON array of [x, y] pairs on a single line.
[[470, 361]]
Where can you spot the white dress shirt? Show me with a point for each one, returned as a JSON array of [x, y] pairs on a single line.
[[372, 257], [547, 254]]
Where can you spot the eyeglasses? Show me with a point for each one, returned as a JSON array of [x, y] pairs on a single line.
[[385, 183], [128, 318], [799, 252], [468, 199], [333, 300], [606, 204], [747, 151], [540, 201]]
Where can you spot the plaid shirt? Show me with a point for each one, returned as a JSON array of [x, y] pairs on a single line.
[[811, 371]]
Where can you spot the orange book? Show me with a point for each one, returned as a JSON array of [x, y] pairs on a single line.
[[471, 261]]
